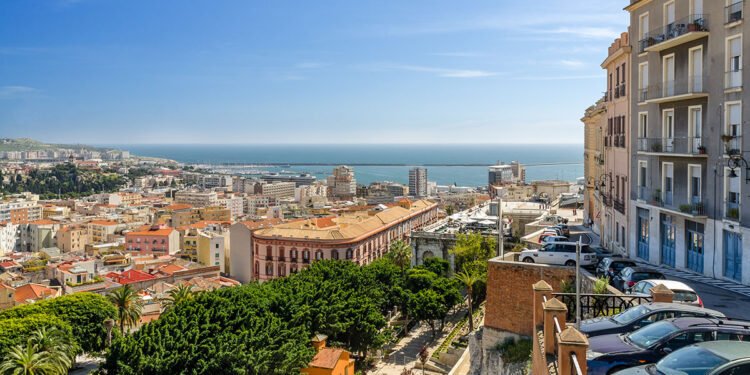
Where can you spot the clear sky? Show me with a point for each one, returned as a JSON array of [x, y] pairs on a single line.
[[242, 71]]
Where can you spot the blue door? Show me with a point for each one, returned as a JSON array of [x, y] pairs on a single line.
[[642, 227], [667, 240], [733, 255], [695, 251]]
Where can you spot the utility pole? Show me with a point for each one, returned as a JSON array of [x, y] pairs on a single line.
[[578, 284]]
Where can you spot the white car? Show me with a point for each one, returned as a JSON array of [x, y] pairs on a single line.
[[682, 293], [560, 253], [551, 239]]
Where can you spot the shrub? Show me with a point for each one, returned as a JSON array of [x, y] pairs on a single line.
[[16, 330], [512, 350], [600, 285]]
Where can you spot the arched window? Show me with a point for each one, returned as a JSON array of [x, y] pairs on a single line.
[[154, 241], [294, 269], [269, 269], [269, 251], [305, 254], [281, 270], [257, 268], [318, 255], [293, 253], [281, 252], [335, 254], [349, 253], [357, 255]]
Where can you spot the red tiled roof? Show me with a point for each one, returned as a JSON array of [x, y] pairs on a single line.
[[152, 232], [132, 276], [326, 358], [170, 268], [265, 223], [43, 222], [8, 264], [32, 292], [178, 207]]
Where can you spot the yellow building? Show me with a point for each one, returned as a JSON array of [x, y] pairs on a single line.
[[7, 297], [329, 361], [594, 121], [101, 231], [72, 238]]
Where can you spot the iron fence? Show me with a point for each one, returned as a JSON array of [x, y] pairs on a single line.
[[597, 305]]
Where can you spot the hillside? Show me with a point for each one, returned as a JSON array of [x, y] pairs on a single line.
[[28, 144]]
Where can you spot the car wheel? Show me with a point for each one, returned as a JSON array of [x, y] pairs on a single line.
[[528, 260], [570, 263]]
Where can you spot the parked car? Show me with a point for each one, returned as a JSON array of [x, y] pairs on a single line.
[[562, 253], [682, 292], [723, 357], [627, 278], [640, 316], [601, 252], [610, 267], [564, 228], [608, 354], [554, 230], [552, 238]]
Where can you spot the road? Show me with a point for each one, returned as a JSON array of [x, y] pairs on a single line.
[[732, 304]]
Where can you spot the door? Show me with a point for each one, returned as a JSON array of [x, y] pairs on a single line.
[[695, 187], [696, 58], [733, 255], [642, 227], [668, 78], [695, 251], [667, 240], [668, 184], [668, 131], [696, 128]]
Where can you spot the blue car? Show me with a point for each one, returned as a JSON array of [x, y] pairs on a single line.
[[608, 354]]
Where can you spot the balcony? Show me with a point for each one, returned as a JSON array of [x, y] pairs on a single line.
[[293, 259], [692, 27], [691, 87], [621, 90], [269, 258], [677, 146], [731, 211], [681, 205], [282, 259], [732, 144], [733, 79], [733, 13], [619, 206]]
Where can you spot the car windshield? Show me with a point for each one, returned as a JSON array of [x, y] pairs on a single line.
[[631, 314], [638, 276], [651, 333], [684, 296], [691, 360]]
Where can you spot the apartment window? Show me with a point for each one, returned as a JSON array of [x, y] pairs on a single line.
[[318, 255], [216, 255], [694, 183], [696, 69], [696, 7], [623, 73], [667, 183], [217, 246], [617, 74], [642, 179], [643, 80], [695, 128], [733, 119], [643, 25], [732, 195], [643, 125]]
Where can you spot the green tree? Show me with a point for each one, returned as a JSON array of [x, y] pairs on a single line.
[[400, 254], [473, 247], [468, 278], [57, 345], [449, 210], [25, 360], [440, 267], [181, 293], [128, 305], [427, 306]]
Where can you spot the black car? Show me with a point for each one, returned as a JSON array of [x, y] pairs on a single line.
[[601, 252], [631, 275], [609, 267], [608, 354], [641, 316]]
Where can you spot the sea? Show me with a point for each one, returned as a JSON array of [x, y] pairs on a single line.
[[407, 155]]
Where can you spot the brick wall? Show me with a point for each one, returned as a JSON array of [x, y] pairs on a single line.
[[509, 294]]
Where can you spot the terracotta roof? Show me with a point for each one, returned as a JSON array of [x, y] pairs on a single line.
[[178, 207], [205, 223], [43, 222], [33, 292], [104, 222], [257, 224], [170, 268], [152, 232], [132, 276], [9, 264], [327, 358]]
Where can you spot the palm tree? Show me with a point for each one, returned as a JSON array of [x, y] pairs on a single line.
[[22, 360], [400, 254], [179, 294], [128, 306], [56, 344], [469, 278]]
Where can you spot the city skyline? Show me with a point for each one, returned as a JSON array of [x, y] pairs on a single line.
[[377, 73]]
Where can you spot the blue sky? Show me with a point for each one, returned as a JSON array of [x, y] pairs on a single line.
[[105, 71]]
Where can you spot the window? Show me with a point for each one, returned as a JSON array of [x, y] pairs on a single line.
[[217, 246], [269, 269], [623, 73], [216, 255], [335, 254], [643, 81], [643, 25], [349, 253], [694, 183], [733, 120], [318, 255], [696, 69], [642, 179]]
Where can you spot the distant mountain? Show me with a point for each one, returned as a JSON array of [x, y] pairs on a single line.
[[28, 144]]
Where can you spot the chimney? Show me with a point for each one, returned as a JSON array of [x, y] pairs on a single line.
[[319, 341]]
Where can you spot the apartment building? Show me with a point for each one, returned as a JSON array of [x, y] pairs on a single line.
[[38, 234], [101, 231], [72, 238], [276, 189], [9, 237], [241, 247], [418, 182], [211, 249], [196, 198], [153, 240], [19, 210], [341, 184], [594, 121], [359, 236], [689, 206], [613, 185]]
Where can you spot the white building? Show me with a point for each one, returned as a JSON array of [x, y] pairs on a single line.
[[197, 198], [418, 182]]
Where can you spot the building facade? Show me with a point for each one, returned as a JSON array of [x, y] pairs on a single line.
[[153, 240], [594, 121], [359, 237], [341, 184], [613, 185], [689, 205], [418, 182]]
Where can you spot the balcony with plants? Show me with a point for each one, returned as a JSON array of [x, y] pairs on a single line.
[[732, 144], [675, 146], [692, 27], [690, 87]]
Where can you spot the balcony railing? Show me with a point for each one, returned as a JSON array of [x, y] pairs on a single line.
[[622, 90], [606, 96], [733, 13], [669, 200], [619, 206], [733, 79], [664, 90], [732, 144], [731, 211], [676, 145], [691, 23], [617, 92]]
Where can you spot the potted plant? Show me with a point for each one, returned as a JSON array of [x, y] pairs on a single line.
[[686, 208], [656, 147], [702, 150], [734, 213]]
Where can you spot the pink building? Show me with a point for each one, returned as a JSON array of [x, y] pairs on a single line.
[[156, 239], [613, 185]]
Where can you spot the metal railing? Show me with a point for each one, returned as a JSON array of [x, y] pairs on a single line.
[[675, 145], [576, 370], [691, 23], [733, 79], [731, 211], [733, 145], [619, 206], [596, 305], [670, 201], [606, 96], [733, 12], [622, 89], [667, 89]]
